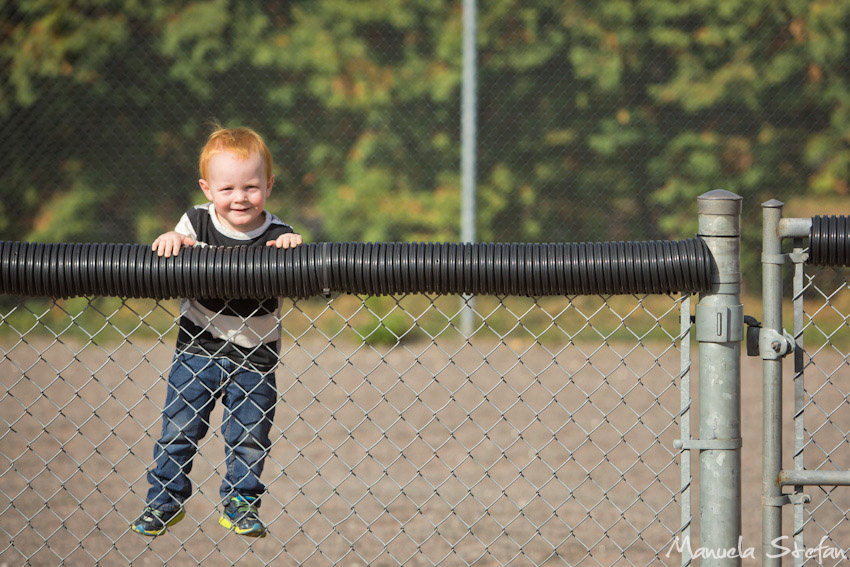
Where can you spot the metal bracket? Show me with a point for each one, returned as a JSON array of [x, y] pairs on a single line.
[[769, 344], [795, 498], [719, 324], [708, 444], [773, 258], [774, 345], [775, 501], [798, 257], [799, 498]]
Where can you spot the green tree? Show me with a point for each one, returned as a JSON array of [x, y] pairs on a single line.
[[598, 120]]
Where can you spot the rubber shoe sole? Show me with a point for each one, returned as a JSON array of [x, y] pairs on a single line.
[[153, 533], [258, 531]]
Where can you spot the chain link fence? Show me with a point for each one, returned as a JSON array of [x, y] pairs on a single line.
[[596, 122], [630, 110], [821, 412], [544, 438]]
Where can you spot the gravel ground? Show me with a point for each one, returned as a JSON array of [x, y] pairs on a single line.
[[557, 457]]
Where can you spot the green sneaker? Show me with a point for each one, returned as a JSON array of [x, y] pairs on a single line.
[[240, 515], [154, 522]]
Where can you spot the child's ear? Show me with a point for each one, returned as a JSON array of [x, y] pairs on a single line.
[[205, 187], [269, 186]]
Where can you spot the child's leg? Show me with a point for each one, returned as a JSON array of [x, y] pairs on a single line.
[[249, 401], [192, 387]]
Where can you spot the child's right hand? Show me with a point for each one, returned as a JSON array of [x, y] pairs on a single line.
[[170, 243]]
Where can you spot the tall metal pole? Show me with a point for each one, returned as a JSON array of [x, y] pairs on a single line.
[[772, 501], [720, 330], [469, 134]]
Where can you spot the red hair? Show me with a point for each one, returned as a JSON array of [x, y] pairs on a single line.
[[244, 142]]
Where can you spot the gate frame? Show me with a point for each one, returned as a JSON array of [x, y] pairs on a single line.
[[774, 343]]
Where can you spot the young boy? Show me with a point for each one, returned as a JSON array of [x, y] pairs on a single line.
[[225, 349]]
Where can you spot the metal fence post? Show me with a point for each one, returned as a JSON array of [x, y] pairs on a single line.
[[772, 501], [469, 147], [719, 331]]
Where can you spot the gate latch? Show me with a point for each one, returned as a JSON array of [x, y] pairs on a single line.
[[774, 345], [767, 343], [753, 328]]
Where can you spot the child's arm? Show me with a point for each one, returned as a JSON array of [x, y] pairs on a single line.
[[170, 243], [290, 240]]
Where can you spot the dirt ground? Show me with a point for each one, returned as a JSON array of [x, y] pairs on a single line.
[[458, 454]]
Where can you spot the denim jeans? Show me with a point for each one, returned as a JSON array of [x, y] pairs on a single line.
[[248, 397]]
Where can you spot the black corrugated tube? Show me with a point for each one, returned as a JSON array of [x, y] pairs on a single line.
[[829, 241], [373, 268]]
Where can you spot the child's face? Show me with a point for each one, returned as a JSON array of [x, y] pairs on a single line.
[[238, 190]]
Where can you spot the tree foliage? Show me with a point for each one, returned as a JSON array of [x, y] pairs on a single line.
[[597, 120]]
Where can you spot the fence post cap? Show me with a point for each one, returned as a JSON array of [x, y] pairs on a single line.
[[719, 202], [773, 204], [720, 194]]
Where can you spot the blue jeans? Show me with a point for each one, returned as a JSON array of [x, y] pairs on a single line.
[[193, 385]]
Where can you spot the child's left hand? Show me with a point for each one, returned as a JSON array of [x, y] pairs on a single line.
[[290, 240]]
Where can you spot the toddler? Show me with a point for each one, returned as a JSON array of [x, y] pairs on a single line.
[[225, 348]]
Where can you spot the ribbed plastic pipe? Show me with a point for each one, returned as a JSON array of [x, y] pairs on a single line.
[[829, 241], [369, 268]]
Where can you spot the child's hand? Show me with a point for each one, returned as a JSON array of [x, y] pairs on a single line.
[[170, 243], [290, 240]]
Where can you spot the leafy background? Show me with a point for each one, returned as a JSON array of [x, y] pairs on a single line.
[[597, 120]]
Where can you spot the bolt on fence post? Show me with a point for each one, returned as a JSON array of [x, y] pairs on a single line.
[[771, 519], [719, 331]]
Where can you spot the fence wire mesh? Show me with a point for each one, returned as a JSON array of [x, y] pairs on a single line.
[[546, 437], [627, 108], [822, 308]]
